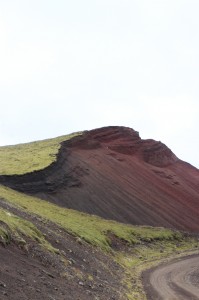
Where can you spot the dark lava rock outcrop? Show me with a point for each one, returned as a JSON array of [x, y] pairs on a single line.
[[113, 173]]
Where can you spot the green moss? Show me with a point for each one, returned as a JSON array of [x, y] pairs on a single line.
[[5, 236], [24, 158], [11, 226]]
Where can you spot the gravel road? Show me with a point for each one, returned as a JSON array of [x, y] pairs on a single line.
[[177, 280]]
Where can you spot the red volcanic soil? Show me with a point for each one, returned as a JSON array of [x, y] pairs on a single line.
[[113, 173]]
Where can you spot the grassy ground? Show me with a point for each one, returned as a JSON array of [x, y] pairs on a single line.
[[17, 229], [139, 246], [25, 158]]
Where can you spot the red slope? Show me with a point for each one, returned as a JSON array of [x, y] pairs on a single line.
[[115, 174]]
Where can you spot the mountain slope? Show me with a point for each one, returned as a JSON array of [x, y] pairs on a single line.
[[51, 252], [113, 173]]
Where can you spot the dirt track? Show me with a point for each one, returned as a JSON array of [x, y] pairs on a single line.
[[174, 281]]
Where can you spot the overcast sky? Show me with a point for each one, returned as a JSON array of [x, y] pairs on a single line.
[[74, 65]]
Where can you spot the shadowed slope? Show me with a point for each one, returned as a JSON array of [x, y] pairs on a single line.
[[115, 174]]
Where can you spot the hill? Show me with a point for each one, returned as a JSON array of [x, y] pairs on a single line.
[[113, 173], [52, 243]]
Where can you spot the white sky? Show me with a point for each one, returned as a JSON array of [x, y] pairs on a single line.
[[67, 66]]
